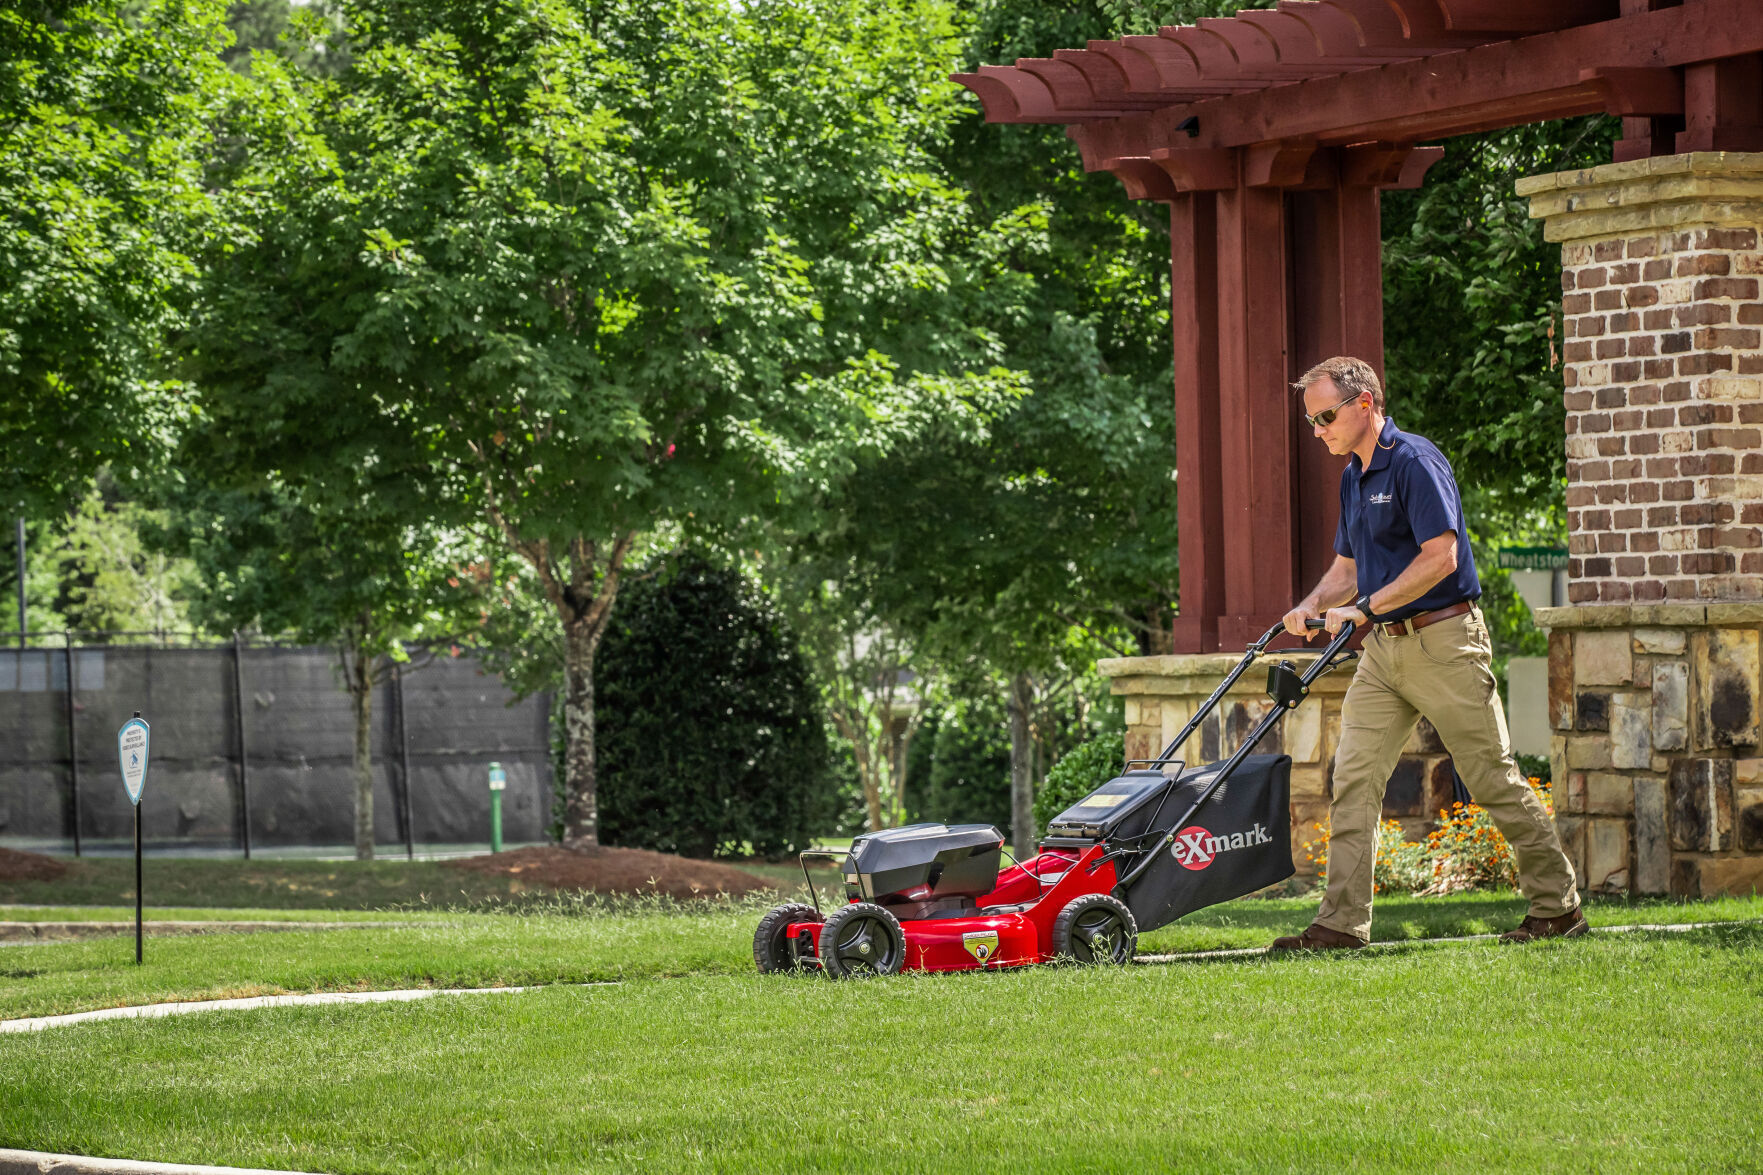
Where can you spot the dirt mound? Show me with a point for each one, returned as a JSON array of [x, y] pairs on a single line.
[[603, 869], [17, 866]]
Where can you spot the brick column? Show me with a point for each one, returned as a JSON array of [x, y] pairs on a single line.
[[1653, 674]]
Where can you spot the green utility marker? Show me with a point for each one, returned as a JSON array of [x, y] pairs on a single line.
[[498, 783]]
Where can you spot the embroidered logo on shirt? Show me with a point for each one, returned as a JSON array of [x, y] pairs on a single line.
[[1383, 499]]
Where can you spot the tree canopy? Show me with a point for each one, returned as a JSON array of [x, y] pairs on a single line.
[[572, 275], [444, 315], [107, 115]]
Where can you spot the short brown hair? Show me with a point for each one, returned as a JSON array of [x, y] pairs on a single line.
[[1353, 376]]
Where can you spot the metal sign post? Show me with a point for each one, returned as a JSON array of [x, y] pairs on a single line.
[[498, 782], [131, 756]]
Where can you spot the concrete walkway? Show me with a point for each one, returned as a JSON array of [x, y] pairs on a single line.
[[14, 1162], [154, 1011]]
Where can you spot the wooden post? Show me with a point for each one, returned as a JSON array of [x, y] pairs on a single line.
[[1193, 316]]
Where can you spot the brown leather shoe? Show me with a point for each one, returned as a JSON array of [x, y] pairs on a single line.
[[1317, 938], [1569, 925]]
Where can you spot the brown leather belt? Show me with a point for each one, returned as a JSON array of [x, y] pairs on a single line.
[[1417, 622]]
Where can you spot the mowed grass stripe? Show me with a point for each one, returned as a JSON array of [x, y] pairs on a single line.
[[1616, 1054], [599, 943]]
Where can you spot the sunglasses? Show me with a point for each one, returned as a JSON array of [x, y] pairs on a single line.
[[1326, 416]]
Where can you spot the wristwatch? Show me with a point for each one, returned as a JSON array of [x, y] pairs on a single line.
[[1363, 603]]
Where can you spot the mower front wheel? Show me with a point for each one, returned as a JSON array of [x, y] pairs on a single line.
[[772, 949], [1096, 928], [861, 939]]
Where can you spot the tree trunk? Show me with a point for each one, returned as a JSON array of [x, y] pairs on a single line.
[[850, 722], [583, 590], [867, 772], [1022, 790], [581, 814], [902, 751], [360, 678]]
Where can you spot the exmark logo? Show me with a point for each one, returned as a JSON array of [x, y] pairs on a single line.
[[1195, 848]]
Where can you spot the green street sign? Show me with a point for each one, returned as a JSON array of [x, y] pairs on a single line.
[[1533, 558]]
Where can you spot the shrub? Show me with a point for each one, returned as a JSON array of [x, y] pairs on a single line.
[[710, 735], [1464, 851], [1078, 772], [964, 775]]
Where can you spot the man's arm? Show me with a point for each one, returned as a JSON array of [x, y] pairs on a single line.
[[1337, 585], [1437, 559]]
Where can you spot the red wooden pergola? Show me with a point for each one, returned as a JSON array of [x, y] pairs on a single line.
[[1269, 135]]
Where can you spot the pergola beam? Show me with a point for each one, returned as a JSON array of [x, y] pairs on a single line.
[[1493, 86]]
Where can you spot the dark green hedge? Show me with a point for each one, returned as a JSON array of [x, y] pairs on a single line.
[[711, 739]]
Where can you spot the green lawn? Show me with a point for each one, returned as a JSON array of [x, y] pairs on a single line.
[[575, 942], [1631, 1052]]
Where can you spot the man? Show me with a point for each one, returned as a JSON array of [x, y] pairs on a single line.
[[1403, 564]]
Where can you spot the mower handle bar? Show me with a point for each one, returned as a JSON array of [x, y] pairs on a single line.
[[1331, 656], [1242, 667]]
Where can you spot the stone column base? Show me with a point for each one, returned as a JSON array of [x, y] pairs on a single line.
[[1162, 694], [1654, 713]]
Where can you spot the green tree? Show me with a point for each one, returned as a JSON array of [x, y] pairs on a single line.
[[113, 577], [1062, 516], [711, 738], [871, 685], [965, 775], [275, 27], [106, 121], [584, 274], [1472, 334]]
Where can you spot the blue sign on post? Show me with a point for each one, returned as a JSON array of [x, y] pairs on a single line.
[[131, 754]]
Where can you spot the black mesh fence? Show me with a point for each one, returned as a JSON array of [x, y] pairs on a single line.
[[252, 750]]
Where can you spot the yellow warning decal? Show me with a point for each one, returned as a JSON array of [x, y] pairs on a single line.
[[981, 944], [1105, 800]]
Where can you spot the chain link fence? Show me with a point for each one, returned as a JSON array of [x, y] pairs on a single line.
[[253, 748]]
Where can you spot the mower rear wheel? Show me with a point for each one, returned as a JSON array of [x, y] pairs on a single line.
[[862, 939], [1096, 928], [771, 942]]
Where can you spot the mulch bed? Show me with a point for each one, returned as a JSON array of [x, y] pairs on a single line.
[[19, 866], [607, 870]]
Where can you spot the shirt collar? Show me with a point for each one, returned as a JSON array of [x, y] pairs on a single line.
[[1380, 456]]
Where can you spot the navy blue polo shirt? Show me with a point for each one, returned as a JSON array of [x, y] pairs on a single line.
[[1406, 496]]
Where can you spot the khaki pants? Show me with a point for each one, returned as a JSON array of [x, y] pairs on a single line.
[[1443, 672]]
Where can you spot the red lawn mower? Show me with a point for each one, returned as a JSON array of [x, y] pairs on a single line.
[[1157, 842]]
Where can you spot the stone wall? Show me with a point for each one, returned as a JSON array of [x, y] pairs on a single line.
[[1163, 693], [1655, 710], [1653, 673]]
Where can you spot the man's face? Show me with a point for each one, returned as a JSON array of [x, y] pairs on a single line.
[[1344, 433]]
